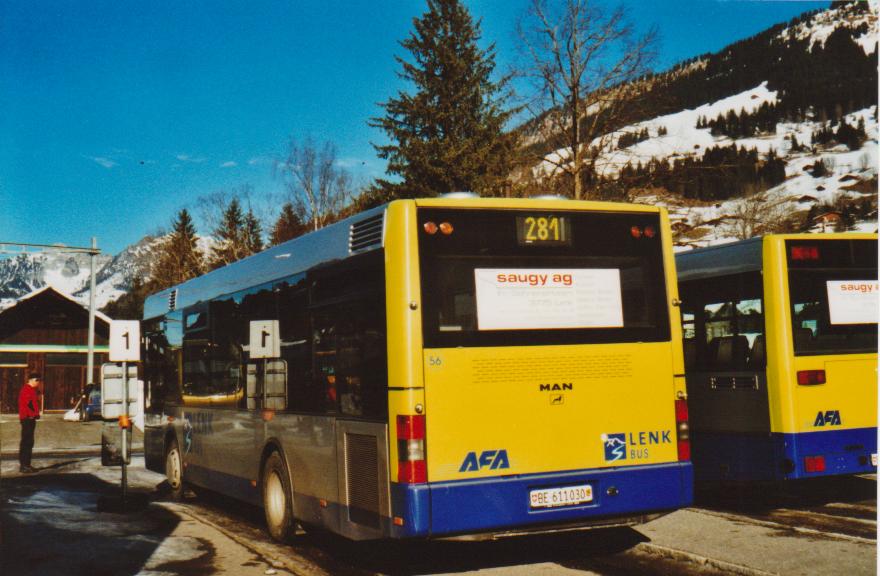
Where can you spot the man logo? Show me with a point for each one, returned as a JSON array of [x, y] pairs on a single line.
[[615, 447], [492, 459], [828, 418]]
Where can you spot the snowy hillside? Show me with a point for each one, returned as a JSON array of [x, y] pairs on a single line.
[[825, 173]]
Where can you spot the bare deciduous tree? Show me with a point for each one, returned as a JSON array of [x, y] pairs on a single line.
[[317, 188], [758, 214], [585, 62]]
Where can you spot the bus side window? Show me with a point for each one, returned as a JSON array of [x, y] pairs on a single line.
[[296, 346], [196, 352], [226, 361], [350, 355]]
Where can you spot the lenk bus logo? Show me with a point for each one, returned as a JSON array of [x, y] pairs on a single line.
[[633, 444], [615, 447], [492, 459], [828, 418]]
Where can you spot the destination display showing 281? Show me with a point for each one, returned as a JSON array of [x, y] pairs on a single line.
[[543, 230]]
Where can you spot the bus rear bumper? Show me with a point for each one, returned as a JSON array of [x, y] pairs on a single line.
[[621, 496], [852, 451]]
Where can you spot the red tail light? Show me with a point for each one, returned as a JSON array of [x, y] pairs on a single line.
[[683, 430], [814, 463], [810, 377], [411, 467]]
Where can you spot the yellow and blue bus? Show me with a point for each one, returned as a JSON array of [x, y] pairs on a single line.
[[448, 366], [781, 356]]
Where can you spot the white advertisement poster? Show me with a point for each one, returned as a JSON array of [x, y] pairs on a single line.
[[853, 301], [547, 298]]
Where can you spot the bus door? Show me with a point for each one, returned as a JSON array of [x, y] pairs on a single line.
[[725, 349], [832, 318]]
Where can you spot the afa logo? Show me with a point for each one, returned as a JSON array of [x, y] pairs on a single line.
[[491, 459], [615, 447], [828, 418]]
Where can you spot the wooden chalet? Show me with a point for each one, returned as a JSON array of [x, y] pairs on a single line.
[[47, 332]]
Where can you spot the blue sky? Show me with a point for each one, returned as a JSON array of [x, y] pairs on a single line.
[[114, 115]]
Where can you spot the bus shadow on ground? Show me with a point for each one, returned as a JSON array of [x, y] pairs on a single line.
[[808, 493], [72, 525], [409, 558], [340, 556]]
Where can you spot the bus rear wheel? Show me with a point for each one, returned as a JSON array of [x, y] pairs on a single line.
[[174, 470], [277, 503]]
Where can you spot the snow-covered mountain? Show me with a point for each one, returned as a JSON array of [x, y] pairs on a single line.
[[70, 273]]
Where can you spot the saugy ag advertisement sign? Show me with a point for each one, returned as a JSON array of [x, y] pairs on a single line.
[[548, 298], [853, 301]]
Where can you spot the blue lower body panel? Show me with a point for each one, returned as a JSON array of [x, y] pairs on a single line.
[[743, 458], [845, 451], [495, 504]]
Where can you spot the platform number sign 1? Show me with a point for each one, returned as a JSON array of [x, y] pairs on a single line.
[[125, 341], [264, 339]]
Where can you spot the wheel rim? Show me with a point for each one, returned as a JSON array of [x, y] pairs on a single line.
[[276, 500], [172, 468]]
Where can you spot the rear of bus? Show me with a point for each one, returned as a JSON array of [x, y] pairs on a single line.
[[535, 377], [825, 359]]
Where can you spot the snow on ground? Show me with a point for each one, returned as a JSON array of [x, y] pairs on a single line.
[[821, 25]]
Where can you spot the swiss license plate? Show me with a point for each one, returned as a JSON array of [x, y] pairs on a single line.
[[873, 459], [564, 496]]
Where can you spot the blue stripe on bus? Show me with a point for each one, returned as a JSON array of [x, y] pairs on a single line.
[[481, 505], [731, 457]]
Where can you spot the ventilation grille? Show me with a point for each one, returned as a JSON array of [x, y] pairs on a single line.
[[367, 233], [362, 478], [172, 300]]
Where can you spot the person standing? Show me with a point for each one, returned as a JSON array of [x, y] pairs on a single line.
[[28, 414]]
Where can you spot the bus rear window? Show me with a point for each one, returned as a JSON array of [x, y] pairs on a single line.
[[833, 291], [483, 285]]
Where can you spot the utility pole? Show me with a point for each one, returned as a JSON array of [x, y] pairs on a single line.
[[91, 355]]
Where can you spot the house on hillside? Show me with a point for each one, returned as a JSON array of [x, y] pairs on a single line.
[[47, 332], [827, 220]]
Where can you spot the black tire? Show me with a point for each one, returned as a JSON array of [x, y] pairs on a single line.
[[174, 470], [277, 499]]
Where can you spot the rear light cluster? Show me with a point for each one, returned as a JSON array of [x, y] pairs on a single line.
[[444, 228], [683, 430], [810, 377], [814, 463], [411, 468], [646, 232]]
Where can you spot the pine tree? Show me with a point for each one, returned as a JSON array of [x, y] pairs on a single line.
[[288, 226], [448, 134], [230, 236], [179, 257], [253, 234]]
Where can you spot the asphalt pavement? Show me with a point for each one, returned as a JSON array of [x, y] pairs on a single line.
[[67, 519], [55, 435]]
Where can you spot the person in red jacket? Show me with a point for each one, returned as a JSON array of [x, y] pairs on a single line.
[[28, 414]]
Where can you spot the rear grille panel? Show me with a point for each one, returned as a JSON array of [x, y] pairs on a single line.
[[362, 479]]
